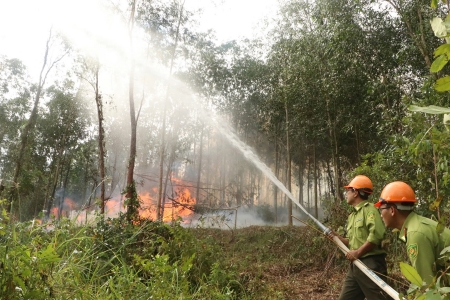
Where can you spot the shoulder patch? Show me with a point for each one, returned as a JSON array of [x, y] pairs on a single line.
[[413, 251], [371, 216]]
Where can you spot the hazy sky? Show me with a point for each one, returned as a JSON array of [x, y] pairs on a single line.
[[24, 24]]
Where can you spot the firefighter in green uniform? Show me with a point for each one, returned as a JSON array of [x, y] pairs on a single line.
[[423, 243], [365, 231]]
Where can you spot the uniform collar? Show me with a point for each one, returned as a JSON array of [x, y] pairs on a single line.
[[402, 235], [360, 205]]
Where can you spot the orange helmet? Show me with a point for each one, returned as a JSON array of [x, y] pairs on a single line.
[[362, 183], [397, 192]]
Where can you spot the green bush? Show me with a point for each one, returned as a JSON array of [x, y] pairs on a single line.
[[110, 260]]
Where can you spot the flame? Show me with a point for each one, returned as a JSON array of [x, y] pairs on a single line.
[[68, 205], [180, 205]]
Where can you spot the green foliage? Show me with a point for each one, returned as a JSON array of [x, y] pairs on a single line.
[[111, 260], [336, 212], [411, 274], [431, 109], [26, 269], [132, 202]]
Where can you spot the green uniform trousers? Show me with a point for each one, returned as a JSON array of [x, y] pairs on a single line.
[[357, 286]]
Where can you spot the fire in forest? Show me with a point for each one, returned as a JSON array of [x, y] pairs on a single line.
[[178, 203]]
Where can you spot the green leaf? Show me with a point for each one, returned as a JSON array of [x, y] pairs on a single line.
[[445, 250], [411, 274], [439, 63], [431, 109], [442, 84], [444, 290], [440, 228], [26, 272], [442, 49], [432, 294], [438, 27], [435, 204], [48, 255], [434, 3], [18, 281]]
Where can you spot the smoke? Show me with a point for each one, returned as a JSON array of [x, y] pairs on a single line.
[[226, 179], [240, 217]]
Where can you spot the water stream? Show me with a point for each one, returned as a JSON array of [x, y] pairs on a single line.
[[227, 131], [120, 52]]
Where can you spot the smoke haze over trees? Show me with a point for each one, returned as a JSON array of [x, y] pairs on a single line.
[[325, 92]]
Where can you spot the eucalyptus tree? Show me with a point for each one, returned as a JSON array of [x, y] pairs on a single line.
[[61, 128], [415, 16], [90, 74], [418, 149], [15, 92], [132, 201], [335, 55], [206, 73], [167, 28], [47, 66]]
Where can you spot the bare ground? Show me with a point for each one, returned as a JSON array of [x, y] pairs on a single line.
[[282, 262]]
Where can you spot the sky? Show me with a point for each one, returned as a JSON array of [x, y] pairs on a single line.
[[25, 24]]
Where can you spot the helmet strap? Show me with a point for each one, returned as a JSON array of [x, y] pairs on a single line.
[[404, 207]]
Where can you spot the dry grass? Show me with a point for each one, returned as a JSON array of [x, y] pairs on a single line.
[[282, 262]]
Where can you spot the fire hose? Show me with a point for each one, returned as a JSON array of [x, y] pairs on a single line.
[[227, 131], [374, 277]]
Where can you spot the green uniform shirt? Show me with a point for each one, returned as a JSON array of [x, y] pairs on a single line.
[[365, 224], [423, 244]]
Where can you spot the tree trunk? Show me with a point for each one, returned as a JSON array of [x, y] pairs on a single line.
[[29, 126], [330, 180], [166, 180], [334, 151], [208, 171], [163, 128], [316, 213], [288, 165], [163, 199], [418, 37], [275, 188], [309, 183], [132, 202], [63, 196], [55, 181], [300, 183], [101, 141], [199, 170]]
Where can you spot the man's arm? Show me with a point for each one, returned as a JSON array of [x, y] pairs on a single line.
[[361, 251], [342, 239]]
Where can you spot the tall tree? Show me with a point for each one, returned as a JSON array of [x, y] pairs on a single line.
[[29, 126], [132, 200], [164, 116], [91, 70]]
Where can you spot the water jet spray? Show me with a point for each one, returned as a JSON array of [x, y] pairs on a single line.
[[227, 131]]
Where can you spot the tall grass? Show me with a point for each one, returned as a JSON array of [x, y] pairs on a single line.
[[110, 260]]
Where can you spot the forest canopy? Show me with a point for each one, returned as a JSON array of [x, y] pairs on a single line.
[[133, 121]]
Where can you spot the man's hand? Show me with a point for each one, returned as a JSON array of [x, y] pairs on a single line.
[[352, 255], [330, 233], [356, 254]]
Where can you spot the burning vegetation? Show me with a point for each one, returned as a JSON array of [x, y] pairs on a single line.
[[179, 206]]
